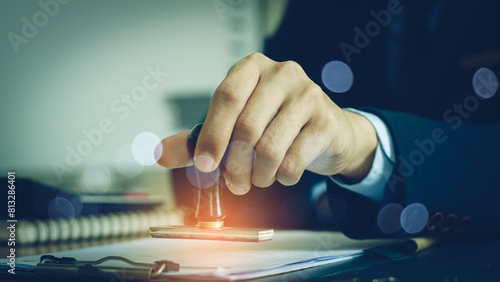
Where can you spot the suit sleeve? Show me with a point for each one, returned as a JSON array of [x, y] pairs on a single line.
[[444, 183]]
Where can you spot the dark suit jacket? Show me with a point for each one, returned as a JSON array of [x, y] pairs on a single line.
[[457, 179]]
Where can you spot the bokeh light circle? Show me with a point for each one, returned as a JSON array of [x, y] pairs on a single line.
[[96, 178], [158, 151], [125, 162], [389, 218], [61, 207], [337, 76], [74, 197], [414, 218], [201, 179], [485, 83], [143, 148], [245, 152]]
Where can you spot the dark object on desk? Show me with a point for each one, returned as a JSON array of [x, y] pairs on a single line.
[[210, 213], [400, 249], [37, 198], [40, 201], [188, 107], [46, 214]]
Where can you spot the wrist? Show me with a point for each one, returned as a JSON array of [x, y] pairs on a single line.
[[365, 144]]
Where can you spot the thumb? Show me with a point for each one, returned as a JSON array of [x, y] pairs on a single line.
[[174, 151]]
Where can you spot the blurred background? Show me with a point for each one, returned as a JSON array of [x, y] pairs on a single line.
[[89, 87]]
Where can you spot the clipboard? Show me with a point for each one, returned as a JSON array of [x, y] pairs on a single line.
[[288, 252]]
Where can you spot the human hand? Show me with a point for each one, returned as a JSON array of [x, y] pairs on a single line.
[[269, 122]]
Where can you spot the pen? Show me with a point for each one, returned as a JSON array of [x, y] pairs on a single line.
[[399, 249]]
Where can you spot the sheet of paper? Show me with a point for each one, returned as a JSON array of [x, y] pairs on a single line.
[[203, 259]]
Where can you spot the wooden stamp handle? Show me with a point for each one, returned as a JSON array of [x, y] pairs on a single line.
[[209, 210]]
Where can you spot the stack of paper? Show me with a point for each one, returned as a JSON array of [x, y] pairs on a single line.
[[202, 259]]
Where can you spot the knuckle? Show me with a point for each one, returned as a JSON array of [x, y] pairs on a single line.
[[330, 118], [311, 96], [290, 68], [234, 168], [327, 119], [249, 63], [257, 56], [246, 128], [212, 143], [227, 94], [268, 151], [314, 90], [237, 164]]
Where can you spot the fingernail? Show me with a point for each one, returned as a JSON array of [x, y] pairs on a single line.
[[237, 190], [205, 163]]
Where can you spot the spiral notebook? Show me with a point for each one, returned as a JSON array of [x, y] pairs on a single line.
[[104, 226]]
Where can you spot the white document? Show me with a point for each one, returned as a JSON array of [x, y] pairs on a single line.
[[203, 259]]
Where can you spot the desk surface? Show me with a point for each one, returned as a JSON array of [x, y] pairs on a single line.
[[454, 261], [449, 262]]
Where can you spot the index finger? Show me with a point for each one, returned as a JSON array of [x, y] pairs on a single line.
[[174, 151], [226, 105]]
